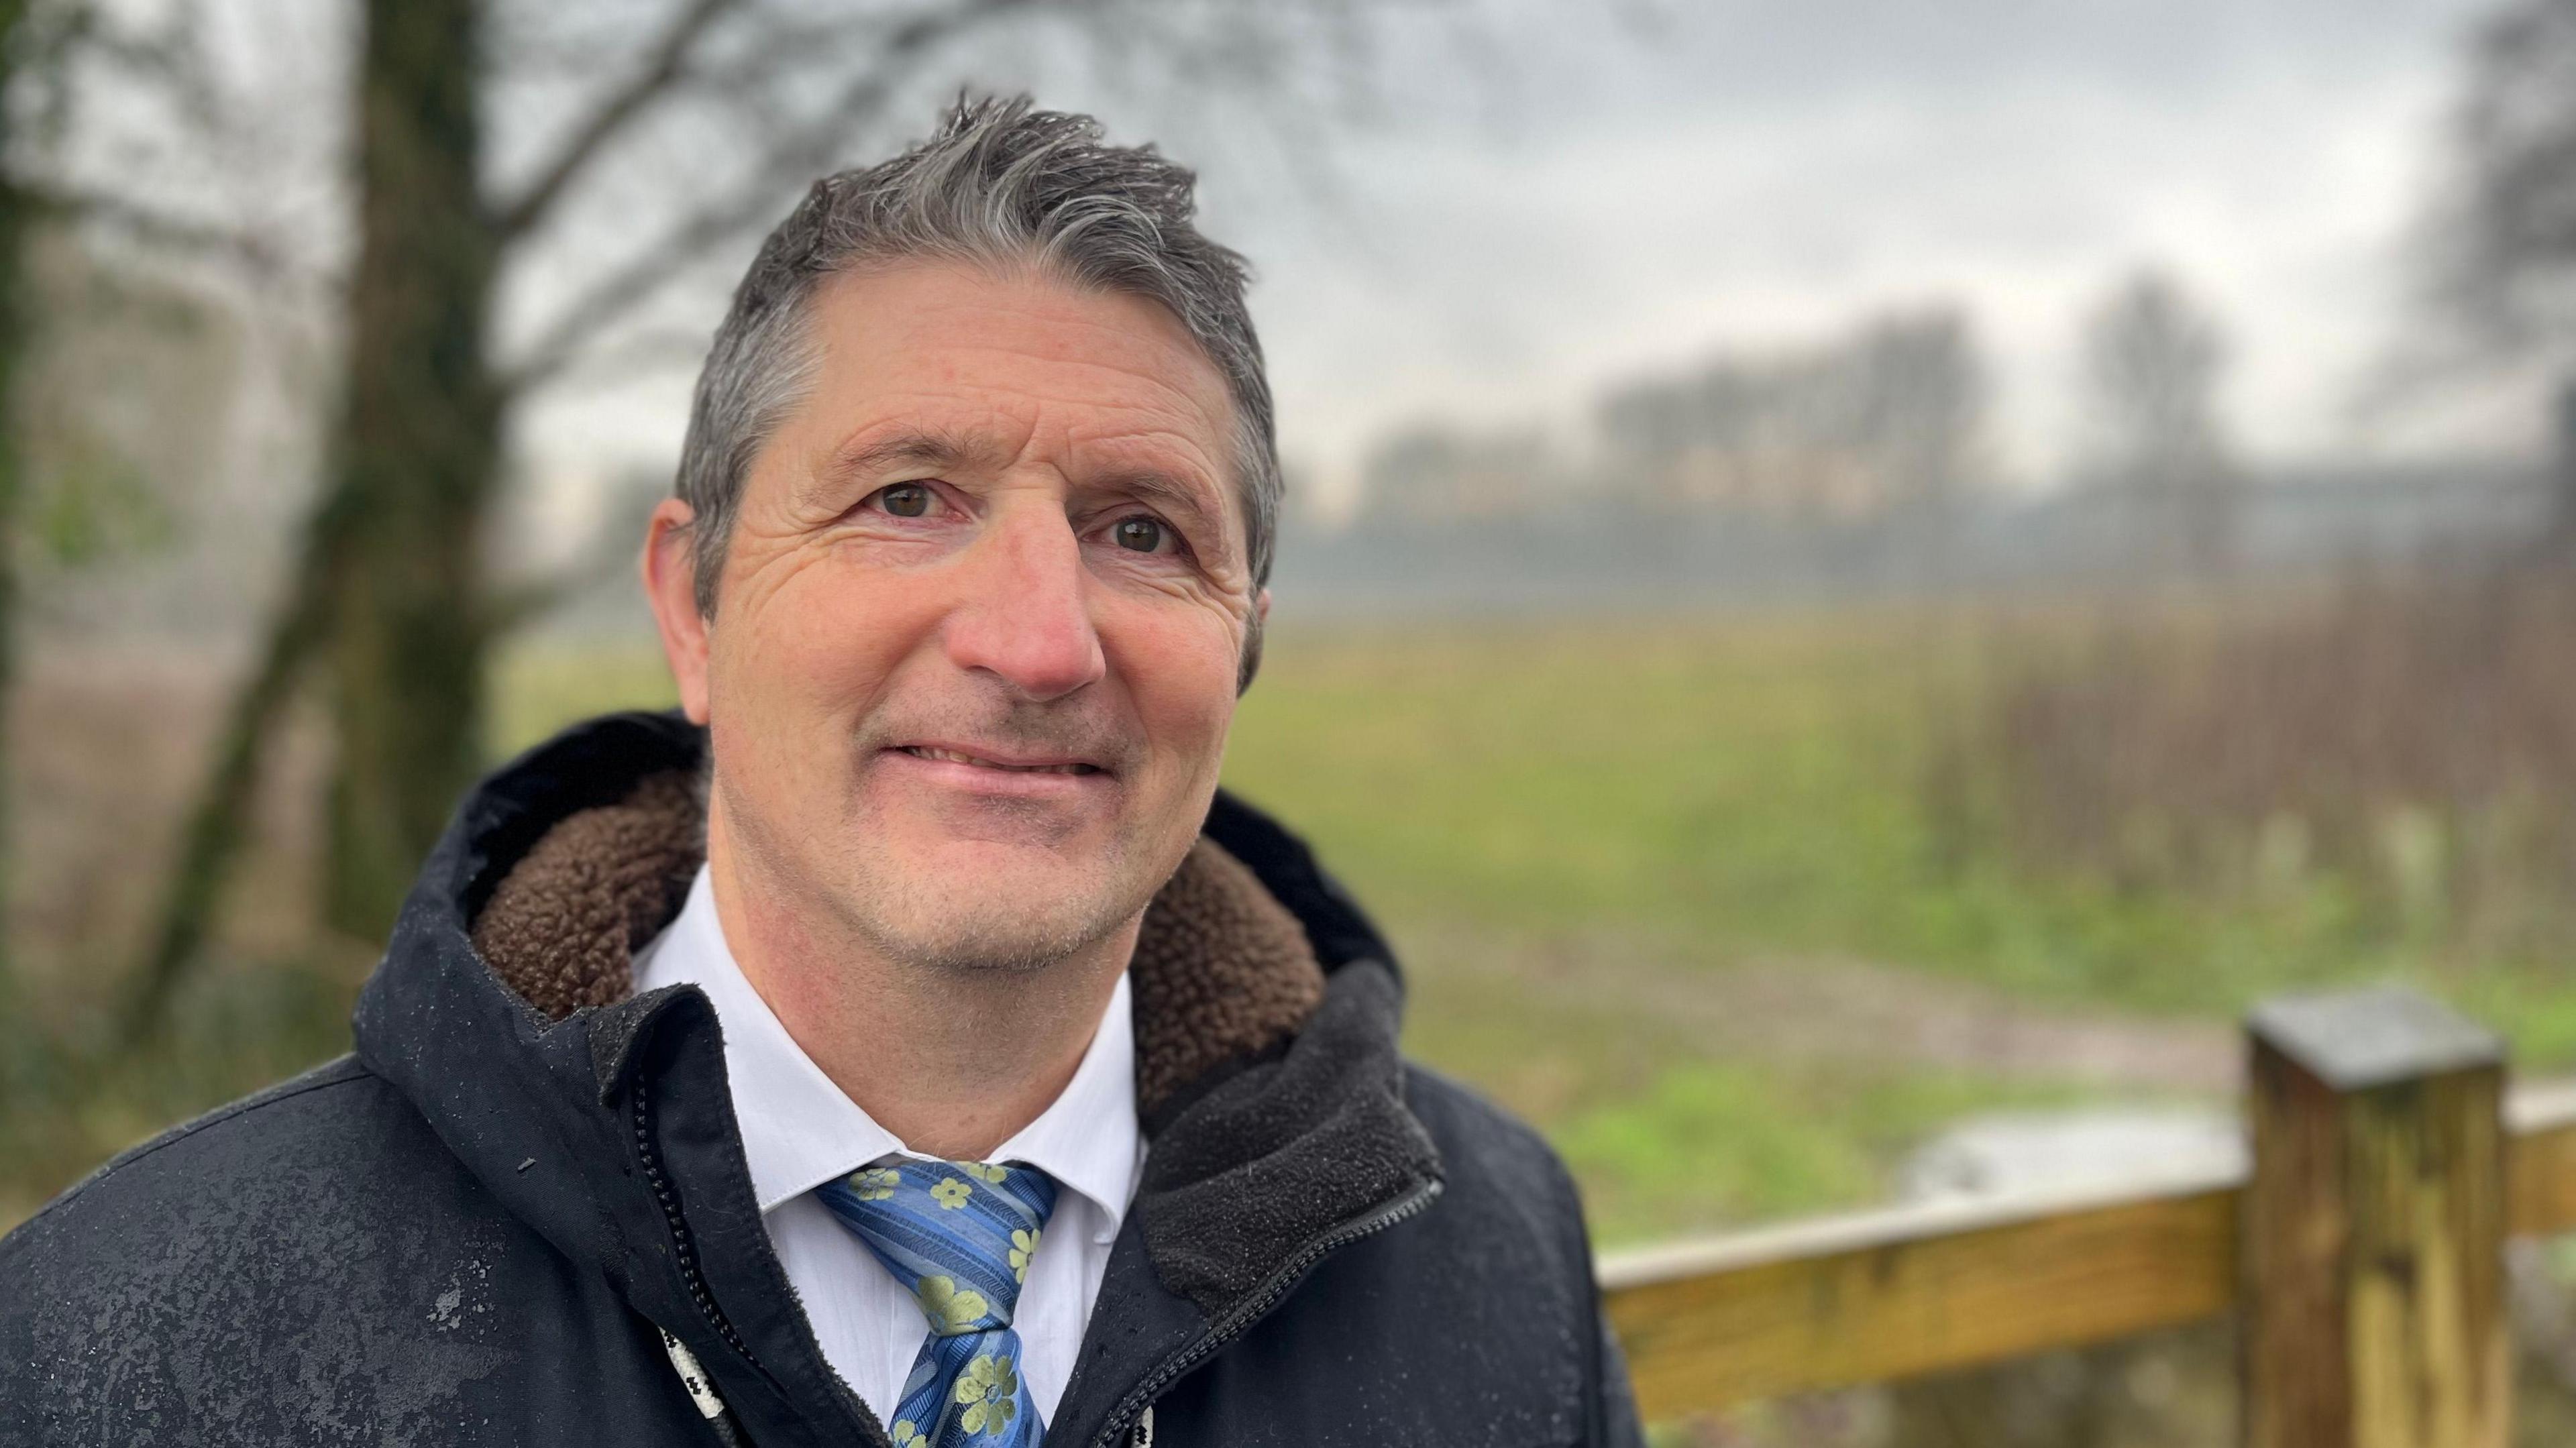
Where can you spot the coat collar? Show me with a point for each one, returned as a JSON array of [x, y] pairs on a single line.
[[1268, 1079]]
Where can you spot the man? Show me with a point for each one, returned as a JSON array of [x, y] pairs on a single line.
[[911, 1044]]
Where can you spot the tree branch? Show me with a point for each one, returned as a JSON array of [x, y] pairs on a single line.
[[219, 819], [514, 606], [642, 352], [663, 64], [239, 246], [793, 159]]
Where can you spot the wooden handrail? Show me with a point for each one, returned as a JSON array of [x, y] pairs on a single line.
[[2540, 1165], [1889, 1294]]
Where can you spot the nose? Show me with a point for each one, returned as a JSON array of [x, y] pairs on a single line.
[[1024, 615]]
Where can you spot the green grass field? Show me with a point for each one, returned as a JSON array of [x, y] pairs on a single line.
[[1691, 896], [1666, 888]]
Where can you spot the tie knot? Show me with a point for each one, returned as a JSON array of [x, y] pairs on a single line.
[[958, 1234]]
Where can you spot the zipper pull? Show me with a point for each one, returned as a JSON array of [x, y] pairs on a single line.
[[701, 1392], [1143, 1436]]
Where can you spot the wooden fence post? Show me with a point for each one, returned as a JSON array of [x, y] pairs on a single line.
[[2373, 1245]]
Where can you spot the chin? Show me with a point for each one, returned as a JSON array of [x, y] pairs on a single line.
[[985, 916], [986, 944]]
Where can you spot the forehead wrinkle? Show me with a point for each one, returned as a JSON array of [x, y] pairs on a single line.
[[1121, 397], [1162, 357]]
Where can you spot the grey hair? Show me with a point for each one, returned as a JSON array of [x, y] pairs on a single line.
[[999, 185]]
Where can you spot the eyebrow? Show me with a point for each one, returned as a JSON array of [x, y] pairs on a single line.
[[931, 449]]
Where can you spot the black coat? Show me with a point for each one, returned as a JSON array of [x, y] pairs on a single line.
[[479, 1227]]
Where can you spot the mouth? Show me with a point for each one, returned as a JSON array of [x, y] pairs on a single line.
[[945, 755]]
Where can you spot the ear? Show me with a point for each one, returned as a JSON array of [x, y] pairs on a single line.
[[670, 585]]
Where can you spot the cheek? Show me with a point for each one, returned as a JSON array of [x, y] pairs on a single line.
[[1180, 670], [813, 645]]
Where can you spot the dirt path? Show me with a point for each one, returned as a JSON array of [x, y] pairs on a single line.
[[1830, 1011]]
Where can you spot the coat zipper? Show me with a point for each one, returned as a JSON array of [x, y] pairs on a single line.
[[701, 1390], [1139, 1400], [681, 1246]]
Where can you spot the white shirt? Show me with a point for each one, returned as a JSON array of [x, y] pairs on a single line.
[[799, 1131]]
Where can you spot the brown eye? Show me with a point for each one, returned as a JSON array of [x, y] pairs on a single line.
[[905, 500], [1143, 535]]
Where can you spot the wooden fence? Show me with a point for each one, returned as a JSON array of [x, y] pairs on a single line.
[[2363, 1251]]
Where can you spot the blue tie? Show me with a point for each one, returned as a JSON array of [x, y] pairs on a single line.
[[959, 1235]]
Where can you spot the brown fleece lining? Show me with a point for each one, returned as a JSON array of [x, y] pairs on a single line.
[[1222, 971], [563, 926]]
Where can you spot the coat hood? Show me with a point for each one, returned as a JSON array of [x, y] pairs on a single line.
[[1268, 1081]]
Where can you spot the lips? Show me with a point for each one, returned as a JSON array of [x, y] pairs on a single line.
[[955, 756]]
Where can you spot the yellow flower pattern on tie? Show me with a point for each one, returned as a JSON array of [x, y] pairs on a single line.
[[960, 1237]]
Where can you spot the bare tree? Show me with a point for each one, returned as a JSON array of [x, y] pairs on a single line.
[[2153, 360], [1430, 473], [35, 38], [1886, 419], [2504, 244], [1920, 392], [14, 208]]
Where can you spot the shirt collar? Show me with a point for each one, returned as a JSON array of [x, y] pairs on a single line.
[[799, 1130]]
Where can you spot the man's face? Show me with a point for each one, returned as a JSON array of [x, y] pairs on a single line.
[[974, 648]]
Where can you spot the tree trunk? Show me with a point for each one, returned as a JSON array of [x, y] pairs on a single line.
[[416, 449], [15, 206]]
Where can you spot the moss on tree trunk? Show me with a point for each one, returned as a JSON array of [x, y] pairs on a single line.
[[416, 449]]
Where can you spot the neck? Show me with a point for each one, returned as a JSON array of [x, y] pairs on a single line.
[[954, 1063]]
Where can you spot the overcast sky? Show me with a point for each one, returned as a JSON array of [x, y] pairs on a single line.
[[1560, 199]]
